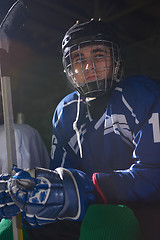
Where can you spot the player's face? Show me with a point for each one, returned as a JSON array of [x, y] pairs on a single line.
[[91, 63]]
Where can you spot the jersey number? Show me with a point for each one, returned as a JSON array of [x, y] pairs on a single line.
[[154, 120]]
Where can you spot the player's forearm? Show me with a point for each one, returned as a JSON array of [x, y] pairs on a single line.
[[135, 185]]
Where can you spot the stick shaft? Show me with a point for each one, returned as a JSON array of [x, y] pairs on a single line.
[[10, 21], [8, 122], [10, 142]]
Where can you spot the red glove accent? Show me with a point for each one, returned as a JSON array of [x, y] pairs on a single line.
[[95, 182]]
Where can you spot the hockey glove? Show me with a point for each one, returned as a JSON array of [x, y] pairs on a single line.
[[46, 196], [8, 208]]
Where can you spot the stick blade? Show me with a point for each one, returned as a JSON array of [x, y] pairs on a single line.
[[15, 18]]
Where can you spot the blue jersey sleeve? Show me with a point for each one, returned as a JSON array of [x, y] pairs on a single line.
[[140, 183], [62, 155], [60, 151]]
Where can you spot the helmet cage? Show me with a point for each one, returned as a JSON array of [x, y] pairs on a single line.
[[100, 85]]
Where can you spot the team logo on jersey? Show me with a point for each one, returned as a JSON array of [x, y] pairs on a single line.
[[117, 124]]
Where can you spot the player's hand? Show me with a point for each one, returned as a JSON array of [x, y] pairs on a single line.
[[8, 208], [45, 196]]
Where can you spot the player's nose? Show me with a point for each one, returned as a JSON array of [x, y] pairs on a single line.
[[89, 65]]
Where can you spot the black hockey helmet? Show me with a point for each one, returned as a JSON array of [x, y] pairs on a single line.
[[91, 33]]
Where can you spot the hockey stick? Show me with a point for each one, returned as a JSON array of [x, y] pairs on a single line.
[[7, 24]]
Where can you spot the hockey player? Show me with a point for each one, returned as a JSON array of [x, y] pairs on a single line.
[[106, 140]]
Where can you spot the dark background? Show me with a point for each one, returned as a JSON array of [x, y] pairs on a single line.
[[38, 81]]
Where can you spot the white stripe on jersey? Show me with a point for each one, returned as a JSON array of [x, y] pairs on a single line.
[[127, 104], [130, 109], [100, 121]]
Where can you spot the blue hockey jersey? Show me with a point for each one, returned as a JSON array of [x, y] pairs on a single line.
[[121, 143]]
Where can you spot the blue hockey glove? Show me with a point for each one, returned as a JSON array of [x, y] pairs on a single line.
[[8, 208], [46, 196]]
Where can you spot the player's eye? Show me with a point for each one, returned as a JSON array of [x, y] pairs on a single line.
[[77, 60], [99, 56], [76, 57]]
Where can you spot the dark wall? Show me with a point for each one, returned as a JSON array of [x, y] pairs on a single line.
[[38, 84]]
